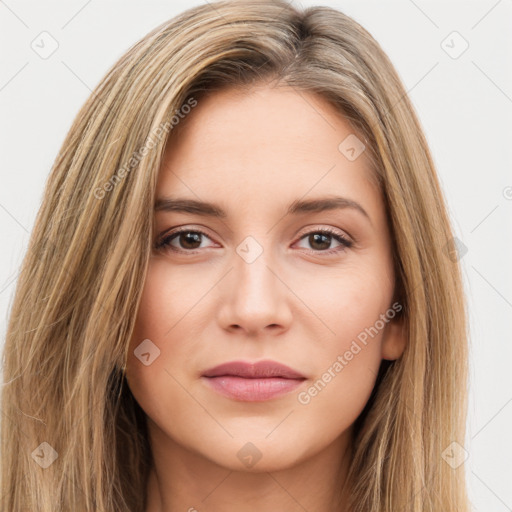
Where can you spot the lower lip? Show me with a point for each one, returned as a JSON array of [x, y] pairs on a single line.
[[252, 390]]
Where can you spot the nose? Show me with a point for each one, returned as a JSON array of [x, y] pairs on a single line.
[[255, 298]]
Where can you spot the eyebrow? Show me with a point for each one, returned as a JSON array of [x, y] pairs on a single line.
[[297, 207]]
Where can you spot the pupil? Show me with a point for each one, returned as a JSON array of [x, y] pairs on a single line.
[[316, 239], [190, 239]]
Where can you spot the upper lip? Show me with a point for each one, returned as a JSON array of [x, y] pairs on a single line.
[[259, 369]]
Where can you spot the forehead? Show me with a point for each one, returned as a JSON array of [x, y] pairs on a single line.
[[264, 145]]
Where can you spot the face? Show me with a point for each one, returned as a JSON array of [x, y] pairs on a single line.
[[275, 278]]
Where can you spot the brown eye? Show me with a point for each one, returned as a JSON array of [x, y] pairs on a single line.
[[186, 240], [189, 239], [321, 240]]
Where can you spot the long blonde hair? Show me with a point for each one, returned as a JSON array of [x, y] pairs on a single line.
[[65, 400]]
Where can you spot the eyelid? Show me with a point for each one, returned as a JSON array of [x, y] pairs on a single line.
[[329, 229], [344, 240], [169, 233]]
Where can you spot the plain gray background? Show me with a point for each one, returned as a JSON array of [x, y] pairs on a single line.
[[464, 100]]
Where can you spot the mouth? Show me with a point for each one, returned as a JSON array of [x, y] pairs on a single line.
[[252, 382]]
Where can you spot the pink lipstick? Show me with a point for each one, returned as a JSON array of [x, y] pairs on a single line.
[[253, 382]]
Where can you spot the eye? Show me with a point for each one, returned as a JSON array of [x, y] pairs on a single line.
[[321, 239], [188, 240]]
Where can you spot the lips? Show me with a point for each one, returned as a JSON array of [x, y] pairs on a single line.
[[252, 382], [259, 370]]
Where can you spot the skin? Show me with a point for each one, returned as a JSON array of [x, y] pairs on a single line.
[[253, 153]]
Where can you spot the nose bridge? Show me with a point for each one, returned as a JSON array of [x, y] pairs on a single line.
[[254, 280], [254, 297]]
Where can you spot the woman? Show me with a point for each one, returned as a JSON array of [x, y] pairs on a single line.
[[253, 369]]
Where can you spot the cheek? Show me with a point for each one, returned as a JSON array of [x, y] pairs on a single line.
[[347, 357], [166, 314], [163, 302], [346, 365], [350, 305], [172, 308], [148, 354]]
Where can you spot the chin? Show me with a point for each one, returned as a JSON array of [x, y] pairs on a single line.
[[259, 455]]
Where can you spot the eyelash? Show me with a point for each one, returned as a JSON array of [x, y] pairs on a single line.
[[164, 243]]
